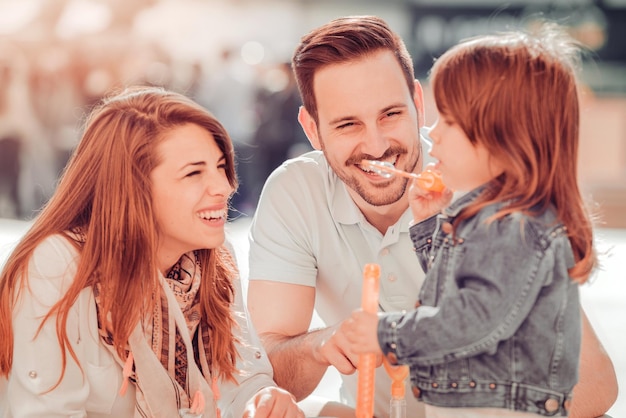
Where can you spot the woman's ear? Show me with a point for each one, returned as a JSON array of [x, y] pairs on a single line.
[[309, 127]]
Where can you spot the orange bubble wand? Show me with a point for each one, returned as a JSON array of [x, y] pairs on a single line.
[[367, 362], [398, 373], [428, 179]]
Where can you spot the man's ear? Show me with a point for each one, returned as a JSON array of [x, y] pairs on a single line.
[[418, 99], [309, 127]]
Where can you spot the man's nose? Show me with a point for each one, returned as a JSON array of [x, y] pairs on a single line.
[[375, 142]]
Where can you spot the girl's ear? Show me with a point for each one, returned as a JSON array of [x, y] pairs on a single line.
[[310, 127]]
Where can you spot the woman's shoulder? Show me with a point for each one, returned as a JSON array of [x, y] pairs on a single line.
[[54, 257]]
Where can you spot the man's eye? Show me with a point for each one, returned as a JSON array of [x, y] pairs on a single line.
[[394, 113], [345, 125]]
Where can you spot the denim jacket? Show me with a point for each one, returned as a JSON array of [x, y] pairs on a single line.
[[499, 322]]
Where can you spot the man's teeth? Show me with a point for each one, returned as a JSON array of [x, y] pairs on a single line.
[[369, 169], [212, 214]]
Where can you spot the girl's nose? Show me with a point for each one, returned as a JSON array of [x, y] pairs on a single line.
[[432, 133]]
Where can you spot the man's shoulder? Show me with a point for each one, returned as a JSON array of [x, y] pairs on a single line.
[[309, 161], [305, 171]]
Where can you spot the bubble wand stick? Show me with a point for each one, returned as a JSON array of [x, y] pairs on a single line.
[[367, 362], [428, 179]]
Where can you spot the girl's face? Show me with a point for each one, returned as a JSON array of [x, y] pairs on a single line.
[[190, 192], [463, 165]]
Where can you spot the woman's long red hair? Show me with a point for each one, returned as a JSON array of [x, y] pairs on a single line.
[[516, 94], [105, 193]]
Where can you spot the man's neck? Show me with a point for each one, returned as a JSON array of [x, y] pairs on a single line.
[[382, 217]]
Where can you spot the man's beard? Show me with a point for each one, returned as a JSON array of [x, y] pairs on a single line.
[[381, 195], [376, 195]]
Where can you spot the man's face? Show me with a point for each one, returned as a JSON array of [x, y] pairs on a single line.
[[366, 111]]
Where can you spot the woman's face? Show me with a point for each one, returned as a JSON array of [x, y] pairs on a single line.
[[190, 192]]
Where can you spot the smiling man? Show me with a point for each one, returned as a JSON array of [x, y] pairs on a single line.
[[322, 217]]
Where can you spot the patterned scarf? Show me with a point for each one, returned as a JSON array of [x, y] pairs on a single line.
[[162, 354]]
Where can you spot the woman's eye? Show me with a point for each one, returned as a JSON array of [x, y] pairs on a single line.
[[193, 173]]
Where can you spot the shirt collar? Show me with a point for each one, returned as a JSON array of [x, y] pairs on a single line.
[[344, 209]]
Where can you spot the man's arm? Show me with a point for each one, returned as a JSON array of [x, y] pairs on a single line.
[[596, 390], [281, 313]]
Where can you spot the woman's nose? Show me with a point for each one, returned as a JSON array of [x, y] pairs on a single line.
[[219, 185]]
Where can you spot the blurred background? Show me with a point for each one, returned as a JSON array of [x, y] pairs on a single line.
[[59, 57]]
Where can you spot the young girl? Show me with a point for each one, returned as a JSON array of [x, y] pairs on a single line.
[[498, 329], [122, 299]]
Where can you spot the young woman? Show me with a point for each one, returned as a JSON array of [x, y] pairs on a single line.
[[122, 299], [498, 331]]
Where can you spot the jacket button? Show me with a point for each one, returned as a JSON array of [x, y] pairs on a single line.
[[393, 359], [416, 391], [551, 405], [492, 385], [454, 385], [435, 385], [567, 404], [472, 384]]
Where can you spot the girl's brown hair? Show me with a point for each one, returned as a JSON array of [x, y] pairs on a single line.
[[105, 193], [516, 94]]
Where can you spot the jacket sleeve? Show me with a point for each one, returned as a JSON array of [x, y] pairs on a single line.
[[492, 289], [37, 357], [256, 369], [421, 235]]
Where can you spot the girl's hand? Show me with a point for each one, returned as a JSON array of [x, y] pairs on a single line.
[[424, 203], [272, 402], [361, 331]]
